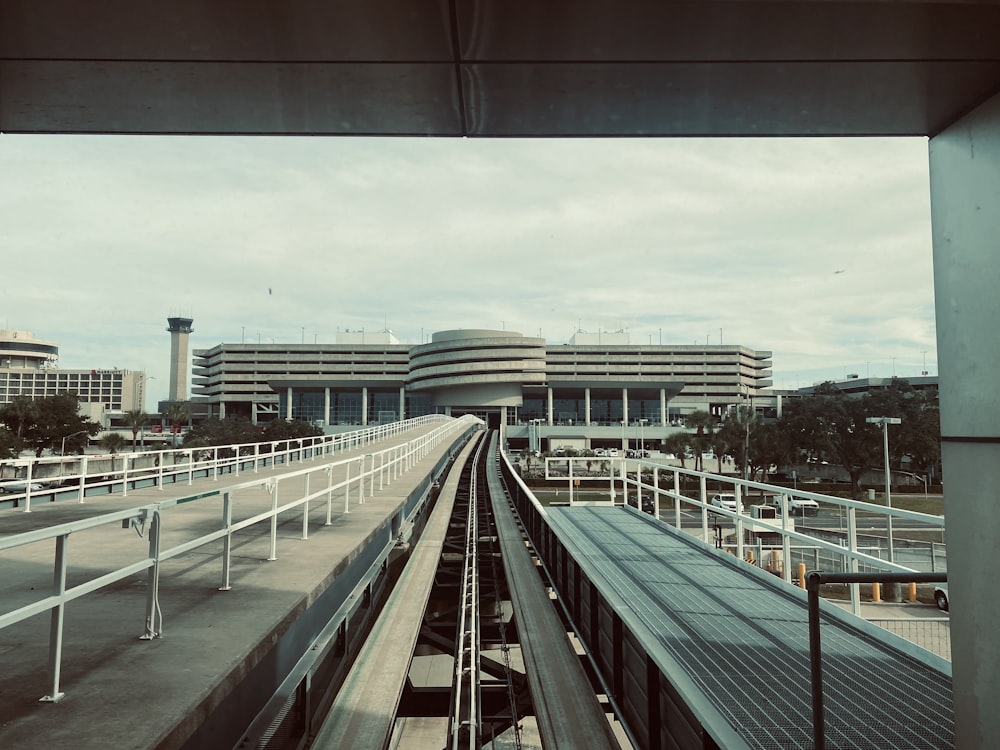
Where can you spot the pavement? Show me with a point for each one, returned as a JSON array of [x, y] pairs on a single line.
[[121, 691], [922, 624]]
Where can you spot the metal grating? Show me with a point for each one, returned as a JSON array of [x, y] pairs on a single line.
[[741, 637]]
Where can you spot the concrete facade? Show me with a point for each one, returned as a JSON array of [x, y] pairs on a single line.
[[29, 367], [965, 217], [591, 392], [180, 331]]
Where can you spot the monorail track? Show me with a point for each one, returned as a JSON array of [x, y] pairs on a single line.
[[469, 602]]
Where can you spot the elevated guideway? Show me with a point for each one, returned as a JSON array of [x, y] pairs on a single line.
[[364, 712], [702, 650], [559, 697], [169, 618]]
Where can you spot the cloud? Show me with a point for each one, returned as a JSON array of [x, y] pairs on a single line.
[[105, 236]]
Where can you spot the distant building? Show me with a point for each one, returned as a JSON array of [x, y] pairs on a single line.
[[588, 392], [28, 367], [857, 386]]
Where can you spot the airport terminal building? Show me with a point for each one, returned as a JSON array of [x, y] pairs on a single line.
[[598, 389]]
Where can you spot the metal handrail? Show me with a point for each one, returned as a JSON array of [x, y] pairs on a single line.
[[628, 476], [814, 579], [400, 458], [177, 463]]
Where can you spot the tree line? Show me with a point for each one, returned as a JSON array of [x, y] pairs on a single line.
[[826, 426], [54, 423]]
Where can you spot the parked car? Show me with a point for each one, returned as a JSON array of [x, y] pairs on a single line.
[[727, 501], [941, 596], [20, 487], [797, 506]]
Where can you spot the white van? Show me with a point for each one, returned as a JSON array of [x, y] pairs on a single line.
[[726, 500]]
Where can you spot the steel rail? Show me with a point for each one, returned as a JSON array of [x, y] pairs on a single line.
[[566, 708], [465, 721]]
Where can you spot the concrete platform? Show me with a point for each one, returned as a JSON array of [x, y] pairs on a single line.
[[123, 692]]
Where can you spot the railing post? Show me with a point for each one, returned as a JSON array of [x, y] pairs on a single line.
[[813, 581], [215, 463], [305, 511], [159, 472], [852, 546], [56, 621], [227, 542], [786, 542], [272, 487], [83, 477], [125, 476], [347, 487], [738, 492], [329, 493], [656, 493], [677, 499], [27, 489], [154, 620], [703, 496]]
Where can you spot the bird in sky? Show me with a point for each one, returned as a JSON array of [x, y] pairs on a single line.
[[840, 271]]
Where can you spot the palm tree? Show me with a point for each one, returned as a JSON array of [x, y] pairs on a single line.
[[176, 415], [136, 419], [678, 443], [19, 414], [704, 425], [112, 442]]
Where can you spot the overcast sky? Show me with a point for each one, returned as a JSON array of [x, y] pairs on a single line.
[[818, 250]]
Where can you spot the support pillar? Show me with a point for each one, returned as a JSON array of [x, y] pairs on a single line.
[[663, 407], [288, 403], [586, 405], [364, 406], [965, 215], [550, 407], [402, 403], [326, 406], [625, 406]]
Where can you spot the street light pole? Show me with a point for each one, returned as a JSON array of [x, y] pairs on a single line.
[[884, 422], [62, 450], [746, 435]]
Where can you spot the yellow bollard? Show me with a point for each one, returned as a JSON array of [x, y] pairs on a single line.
[[802, 575], [876, 593], [913, 592]]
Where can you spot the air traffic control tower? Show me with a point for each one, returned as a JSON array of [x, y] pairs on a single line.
[[180, 329]]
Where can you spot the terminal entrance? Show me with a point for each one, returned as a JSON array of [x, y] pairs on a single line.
[[491, 417]]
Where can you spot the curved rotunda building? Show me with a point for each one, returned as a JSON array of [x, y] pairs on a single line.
[[597, 390]]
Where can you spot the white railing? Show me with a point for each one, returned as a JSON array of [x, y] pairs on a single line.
[[358, 485], [124, 471], [628, 484]]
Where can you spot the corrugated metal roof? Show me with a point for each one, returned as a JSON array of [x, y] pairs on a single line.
[[735, 639]]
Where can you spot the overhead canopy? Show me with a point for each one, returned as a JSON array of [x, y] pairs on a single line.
[[503, 68]]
